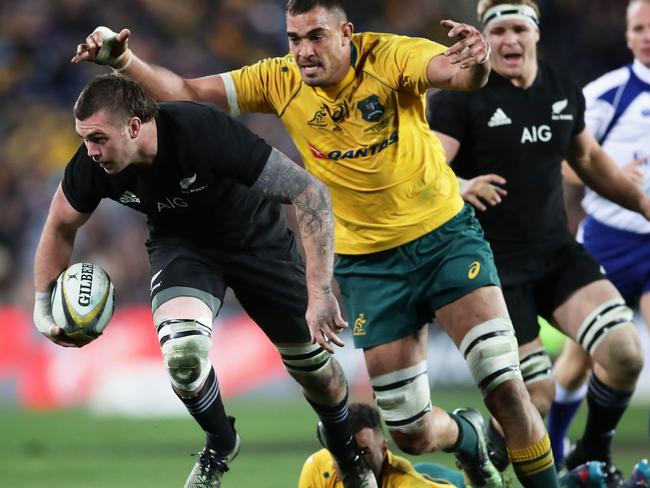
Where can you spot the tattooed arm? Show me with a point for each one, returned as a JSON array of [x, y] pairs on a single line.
[[284, 181]]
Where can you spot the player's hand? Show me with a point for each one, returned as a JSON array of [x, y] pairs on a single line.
[[44, 322], [472, 48], [324, 320], [103, 46], [483, 190], [634, 171]]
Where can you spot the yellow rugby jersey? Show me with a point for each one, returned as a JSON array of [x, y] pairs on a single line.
[[367, 138], [318, 472]]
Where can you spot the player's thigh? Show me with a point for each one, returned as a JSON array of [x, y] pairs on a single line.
[[460, 264], [185, 282], [523, 311], [273, 292], [380, 297]]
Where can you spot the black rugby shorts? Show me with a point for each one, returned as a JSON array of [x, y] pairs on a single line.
[[270, 287], [572, 269]]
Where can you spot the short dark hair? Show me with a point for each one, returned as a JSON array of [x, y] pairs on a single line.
[[296, 7], [364, 416], [120, 96]]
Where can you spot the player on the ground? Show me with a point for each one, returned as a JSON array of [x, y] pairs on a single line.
[[390, 470], [618, 114], [408, 247], [512, 136], [211, 191]]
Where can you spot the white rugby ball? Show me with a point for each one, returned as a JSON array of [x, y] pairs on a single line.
[[83, 300]]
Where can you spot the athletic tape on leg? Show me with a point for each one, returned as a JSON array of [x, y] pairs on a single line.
[[185, 346], [536, 366], [606, 317], [403, 396], [491, 352], [303, 358]]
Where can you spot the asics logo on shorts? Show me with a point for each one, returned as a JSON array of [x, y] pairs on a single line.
[[474, 269], [359, 325]]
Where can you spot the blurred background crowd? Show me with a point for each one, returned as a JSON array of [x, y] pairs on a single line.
[[38, 86]]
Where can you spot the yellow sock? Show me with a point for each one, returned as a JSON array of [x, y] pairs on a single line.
[[534, 459]]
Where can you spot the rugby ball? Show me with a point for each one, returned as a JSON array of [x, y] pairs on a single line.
[[83, 300]]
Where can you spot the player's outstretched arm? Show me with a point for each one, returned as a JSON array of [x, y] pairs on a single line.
[[283, 180], [103, 46], [466, 64], [597, 170], [52, 257]]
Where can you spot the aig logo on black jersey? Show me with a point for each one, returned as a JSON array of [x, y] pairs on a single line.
[[536, 133]]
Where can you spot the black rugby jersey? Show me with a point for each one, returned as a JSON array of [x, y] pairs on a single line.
[[522, 135], [197, 187]]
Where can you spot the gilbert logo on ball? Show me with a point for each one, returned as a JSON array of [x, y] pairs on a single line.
[[83, 300]]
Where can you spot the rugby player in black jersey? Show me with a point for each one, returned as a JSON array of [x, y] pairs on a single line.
[[508, 140], [212, 193]]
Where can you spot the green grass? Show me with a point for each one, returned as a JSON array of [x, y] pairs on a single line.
[[67, 449]]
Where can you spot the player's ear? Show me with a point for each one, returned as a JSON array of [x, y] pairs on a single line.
[[135, 124], [347, 30]]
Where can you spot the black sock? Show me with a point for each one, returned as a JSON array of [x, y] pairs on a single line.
[[208, 410], [606, 407], [338, 431]]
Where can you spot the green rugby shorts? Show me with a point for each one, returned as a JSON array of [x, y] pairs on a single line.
[[391, 294]]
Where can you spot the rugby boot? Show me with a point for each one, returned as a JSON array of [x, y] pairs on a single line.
[[496, 446], [353, 469], [588, 475], [210, 468], [613, 476], [479, 471], [640, 477]]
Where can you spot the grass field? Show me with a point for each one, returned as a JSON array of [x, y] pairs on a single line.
[[74, 449]]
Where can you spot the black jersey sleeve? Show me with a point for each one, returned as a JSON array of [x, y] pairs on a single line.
[[82, 183], [241, 154], [448, 113], [580, 124]]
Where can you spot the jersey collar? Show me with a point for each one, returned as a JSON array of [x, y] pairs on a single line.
[[331, 93]]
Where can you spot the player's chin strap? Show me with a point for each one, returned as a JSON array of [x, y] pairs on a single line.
[[509, 11]]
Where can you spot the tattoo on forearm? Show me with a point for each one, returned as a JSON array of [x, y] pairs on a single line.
[[283, 180]]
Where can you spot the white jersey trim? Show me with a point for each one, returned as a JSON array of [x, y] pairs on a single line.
[[231, 94]]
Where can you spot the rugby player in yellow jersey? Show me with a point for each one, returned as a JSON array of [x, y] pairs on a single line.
[[408, 248], [391, 471]]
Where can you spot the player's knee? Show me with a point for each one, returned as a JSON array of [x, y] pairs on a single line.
[[404, 398], [311, 366], [625, 354], [491, 352], [185, 347]]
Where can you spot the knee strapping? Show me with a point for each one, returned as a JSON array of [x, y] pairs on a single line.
[[304, 359], [491, 352], [185, 347], [535, 366], [403, 396], [605, 318]]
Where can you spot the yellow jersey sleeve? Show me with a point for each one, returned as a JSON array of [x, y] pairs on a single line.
[[402, 61], [318, 472], [266, 86], [400, 473]]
